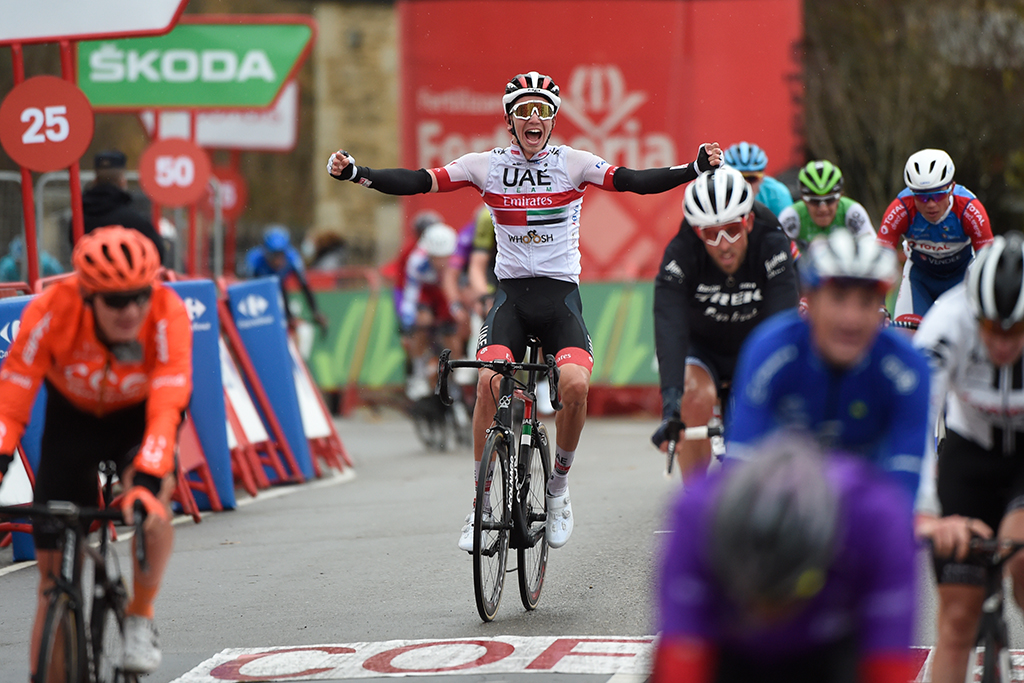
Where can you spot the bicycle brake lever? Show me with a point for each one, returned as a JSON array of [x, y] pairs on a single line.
[[553, 375], [443, 368], [139, 512], [674, 429]]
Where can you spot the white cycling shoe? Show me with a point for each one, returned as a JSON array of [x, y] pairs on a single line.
[[466, 538], [141, 647], [558, 527]]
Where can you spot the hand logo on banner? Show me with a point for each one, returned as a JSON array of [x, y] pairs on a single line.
[[46, 123], [174, 172]]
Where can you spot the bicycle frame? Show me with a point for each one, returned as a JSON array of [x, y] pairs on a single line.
[[993, 634]]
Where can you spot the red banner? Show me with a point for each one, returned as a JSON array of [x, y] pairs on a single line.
[[643, 83]]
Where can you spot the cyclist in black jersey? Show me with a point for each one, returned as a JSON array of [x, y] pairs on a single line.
[[728, 268]]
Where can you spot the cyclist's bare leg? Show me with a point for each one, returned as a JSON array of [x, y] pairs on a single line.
[[697, 407], [1012, 527], [484, 409], [48, 562], [958, 615], [159, 544], [573, 386]]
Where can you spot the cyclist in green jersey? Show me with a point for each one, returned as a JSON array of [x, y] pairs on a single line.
[[822, 206]]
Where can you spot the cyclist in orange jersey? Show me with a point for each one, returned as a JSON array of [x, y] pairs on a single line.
[[114, 348]]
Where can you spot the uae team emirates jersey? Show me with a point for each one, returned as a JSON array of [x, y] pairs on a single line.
[[534, 203]]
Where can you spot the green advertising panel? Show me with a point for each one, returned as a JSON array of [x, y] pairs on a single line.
[[194, 66]]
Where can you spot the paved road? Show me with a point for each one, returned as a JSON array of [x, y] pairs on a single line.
[[369, 559]]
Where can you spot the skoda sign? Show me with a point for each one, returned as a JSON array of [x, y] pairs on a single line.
[[208, 62]]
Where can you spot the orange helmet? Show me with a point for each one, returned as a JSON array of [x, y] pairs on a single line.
[[115, 259]]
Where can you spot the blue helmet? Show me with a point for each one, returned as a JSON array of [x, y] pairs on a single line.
[[276, 238], [745, 157]]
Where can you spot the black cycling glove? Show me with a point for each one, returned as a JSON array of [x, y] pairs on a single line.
[[670, 425]]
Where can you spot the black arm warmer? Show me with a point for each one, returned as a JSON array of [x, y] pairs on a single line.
[[394, 180], [652, 180]]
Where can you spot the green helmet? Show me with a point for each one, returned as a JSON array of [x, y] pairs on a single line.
[[820, 177]]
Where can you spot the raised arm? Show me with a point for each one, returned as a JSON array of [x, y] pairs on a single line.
[[396, 181], [656, 180]]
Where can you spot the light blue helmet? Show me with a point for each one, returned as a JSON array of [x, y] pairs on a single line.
[[746, 157], [276, 238]]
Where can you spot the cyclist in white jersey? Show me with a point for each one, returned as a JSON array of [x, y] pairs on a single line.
[[974, 485], [534, 192]]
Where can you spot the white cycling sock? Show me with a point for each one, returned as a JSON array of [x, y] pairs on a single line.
[[559, 479]]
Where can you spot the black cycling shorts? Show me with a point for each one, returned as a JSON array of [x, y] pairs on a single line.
[[979, 483], [74, 444], [548, 309], [719, 366]]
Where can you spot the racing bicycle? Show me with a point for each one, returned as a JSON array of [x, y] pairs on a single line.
[[992, 637], [83, 632], [511, 506]]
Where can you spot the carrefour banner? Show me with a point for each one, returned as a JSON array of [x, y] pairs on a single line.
[[10, 324], [207, 403], [643, 83], [258, 310]]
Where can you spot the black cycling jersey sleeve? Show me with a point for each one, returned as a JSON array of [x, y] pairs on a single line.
[[652, 180], [782, 287], [672, 295], [398, 181]]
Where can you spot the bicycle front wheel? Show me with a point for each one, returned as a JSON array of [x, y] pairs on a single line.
[[61, 654], [107, 630], [533, 549], [491, 526]]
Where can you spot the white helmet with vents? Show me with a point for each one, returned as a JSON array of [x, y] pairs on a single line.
[[841, 255], [929, 169], [717, 197]]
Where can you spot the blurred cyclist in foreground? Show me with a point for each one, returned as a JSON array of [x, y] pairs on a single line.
[[794, 567], [114, 348]]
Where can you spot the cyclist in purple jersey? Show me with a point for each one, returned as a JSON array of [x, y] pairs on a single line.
[[795, 567]]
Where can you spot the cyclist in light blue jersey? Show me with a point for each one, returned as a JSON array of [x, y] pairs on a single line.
[[836, 374], [750, 160]]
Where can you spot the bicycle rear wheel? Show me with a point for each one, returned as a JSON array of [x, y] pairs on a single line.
[[61, 652], [533, 550], [491, 526]]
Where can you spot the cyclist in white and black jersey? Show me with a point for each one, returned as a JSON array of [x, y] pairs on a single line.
[[534, 191], [728, 269], [974, 485]]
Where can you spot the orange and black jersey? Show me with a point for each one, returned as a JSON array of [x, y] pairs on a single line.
[[57, 341]]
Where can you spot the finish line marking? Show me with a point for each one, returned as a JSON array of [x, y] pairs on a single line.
[[627, 658]]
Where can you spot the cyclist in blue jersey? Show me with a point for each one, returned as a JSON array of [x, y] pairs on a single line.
[[796, 567], [277, 256], [750, 160], [943, 224], [836, 374]]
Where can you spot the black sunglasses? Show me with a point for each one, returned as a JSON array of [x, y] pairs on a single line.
[[119, 300]]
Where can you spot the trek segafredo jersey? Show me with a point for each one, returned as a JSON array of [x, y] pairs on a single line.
[[534, 203]]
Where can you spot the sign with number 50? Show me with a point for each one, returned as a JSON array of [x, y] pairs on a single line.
[[46, 123], [174, 172]]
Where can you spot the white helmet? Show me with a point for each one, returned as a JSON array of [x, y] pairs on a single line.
[[439, 240], [717, 197], [842, 255], [995, 281], [929, 169]]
